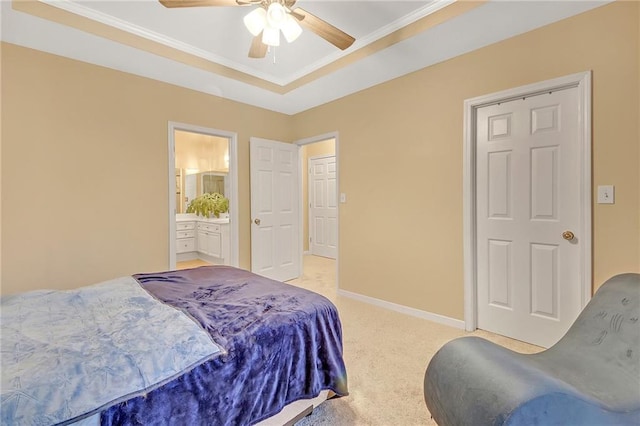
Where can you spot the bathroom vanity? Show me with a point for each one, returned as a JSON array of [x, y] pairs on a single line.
[[200, 238]]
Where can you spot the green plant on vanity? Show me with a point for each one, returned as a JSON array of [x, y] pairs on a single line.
[[208, 205]]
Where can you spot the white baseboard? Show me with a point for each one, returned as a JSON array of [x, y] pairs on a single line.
[[440, 319]]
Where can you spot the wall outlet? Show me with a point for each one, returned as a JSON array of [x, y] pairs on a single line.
[[606, 194]]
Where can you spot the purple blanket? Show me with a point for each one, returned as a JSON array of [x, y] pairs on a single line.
[[283, 343]]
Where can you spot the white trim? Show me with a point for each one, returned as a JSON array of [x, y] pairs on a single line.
[[313, 139], [131, 28], [172, 196], [317, 138], [586, 186], [440, 319], [137, 30], [468, 216], [583, 82], [234, 245], [384, 31]]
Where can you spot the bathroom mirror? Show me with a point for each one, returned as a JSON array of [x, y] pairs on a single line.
[[202, 166], [213, 182]]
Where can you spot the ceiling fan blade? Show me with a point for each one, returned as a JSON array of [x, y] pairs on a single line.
[[296, 15], [258, 49], [196, 3], [333, 35]]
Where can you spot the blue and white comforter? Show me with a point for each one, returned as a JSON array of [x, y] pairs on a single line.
[[69, 354]]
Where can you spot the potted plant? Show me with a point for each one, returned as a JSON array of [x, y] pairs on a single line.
[[209, 205]]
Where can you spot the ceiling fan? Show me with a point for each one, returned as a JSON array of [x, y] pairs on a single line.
[[271, 17]]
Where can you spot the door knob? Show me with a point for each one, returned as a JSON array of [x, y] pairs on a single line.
[[257, 222], [568, 235]]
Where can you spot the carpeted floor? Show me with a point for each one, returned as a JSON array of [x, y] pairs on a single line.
[[386, 354]]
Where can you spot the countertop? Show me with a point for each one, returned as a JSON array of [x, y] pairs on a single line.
[[185, 217]]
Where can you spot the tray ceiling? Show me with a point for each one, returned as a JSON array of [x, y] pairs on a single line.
[[205, 48]]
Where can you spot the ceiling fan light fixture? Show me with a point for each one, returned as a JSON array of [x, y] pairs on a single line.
[[276, 15], [291, 29], [271, 36], [255, 20]]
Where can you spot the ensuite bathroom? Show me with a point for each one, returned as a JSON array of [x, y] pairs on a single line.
[[201, 167]]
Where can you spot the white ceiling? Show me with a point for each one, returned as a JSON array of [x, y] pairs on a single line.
[[306, 73]]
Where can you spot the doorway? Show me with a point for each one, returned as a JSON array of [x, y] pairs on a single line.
[[323, 150], [527, 209], [323, 204], [207, 162]]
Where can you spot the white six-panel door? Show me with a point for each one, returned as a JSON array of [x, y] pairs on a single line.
[[528, 198], [275, 236], [323, 207]]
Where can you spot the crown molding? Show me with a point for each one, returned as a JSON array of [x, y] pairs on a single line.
[[111, 21], [390, 28], [106, 19]]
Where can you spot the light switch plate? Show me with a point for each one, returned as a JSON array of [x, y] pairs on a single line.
[[606, 194], [343, 197]]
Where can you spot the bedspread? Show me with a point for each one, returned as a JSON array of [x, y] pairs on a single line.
[[283, 343], [68, 354]]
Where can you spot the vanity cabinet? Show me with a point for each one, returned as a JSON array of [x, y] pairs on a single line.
[[210, 239], [202, 239], [185, 237]]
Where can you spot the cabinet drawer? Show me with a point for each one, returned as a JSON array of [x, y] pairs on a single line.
[[183, 226], [209, 227], [186, 234], [186, 245]]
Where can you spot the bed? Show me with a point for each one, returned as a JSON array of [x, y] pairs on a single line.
[[209, 345]]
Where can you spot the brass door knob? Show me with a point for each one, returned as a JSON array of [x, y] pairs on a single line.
[[257, 222], [568, 235]]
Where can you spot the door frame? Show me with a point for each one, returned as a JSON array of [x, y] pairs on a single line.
[[306, 141], [317, 157], [582, 81], [232, 137]]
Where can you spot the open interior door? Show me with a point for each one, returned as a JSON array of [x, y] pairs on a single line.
[[275, 214]]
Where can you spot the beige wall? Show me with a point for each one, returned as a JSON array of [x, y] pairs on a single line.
[[85, 163], [401, 238], [1, 133], [66, 220], [315, 149]]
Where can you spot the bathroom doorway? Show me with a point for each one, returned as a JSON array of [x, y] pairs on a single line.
[[202, 160]]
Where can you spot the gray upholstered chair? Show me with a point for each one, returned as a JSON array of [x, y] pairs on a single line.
[[590, 377]]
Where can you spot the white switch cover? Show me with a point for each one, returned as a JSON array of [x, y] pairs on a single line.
[[606, 194], [343, 197]]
